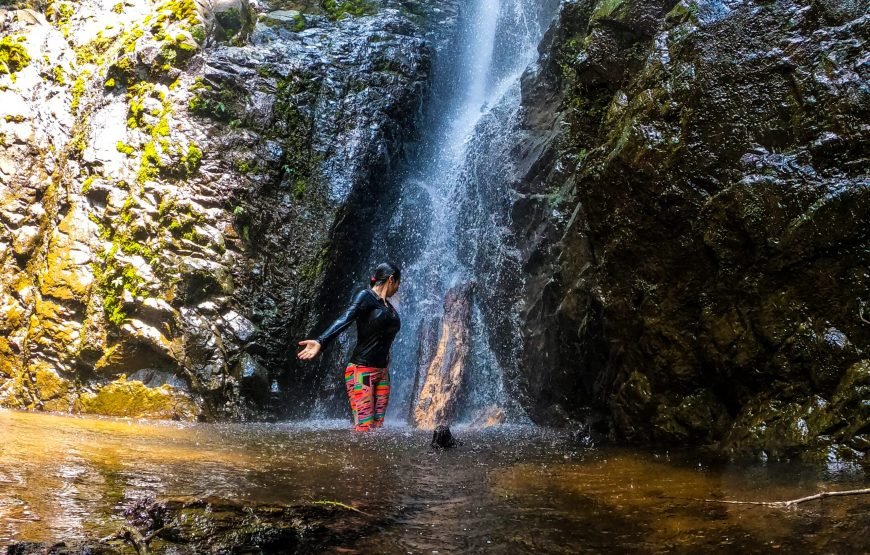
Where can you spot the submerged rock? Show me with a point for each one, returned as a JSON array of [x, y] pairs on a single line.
[[211, 526], [442, 438]]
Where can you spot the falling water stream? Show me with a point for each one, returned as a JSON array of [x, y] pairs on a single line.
[[439, 226]]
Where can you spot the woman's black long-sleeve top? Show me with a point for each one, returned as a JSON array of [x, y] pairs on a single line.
[[376, 326]]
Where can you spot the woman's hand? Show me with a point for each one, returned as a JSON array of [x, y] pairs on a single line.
[[312, 348]]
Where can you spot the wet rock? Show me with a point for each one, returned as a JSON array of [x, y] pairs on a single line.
[[441, 373], [442, 438], [694, 222], [136, 400], [176, 181], [485, 418], [189, 526]]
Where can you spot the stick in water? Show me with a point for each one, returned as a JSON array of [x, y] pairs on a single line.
[[794, 502]]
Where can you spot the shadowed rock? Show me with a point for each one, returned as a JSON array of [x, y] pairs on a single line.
[[442, 438], [442, 361]]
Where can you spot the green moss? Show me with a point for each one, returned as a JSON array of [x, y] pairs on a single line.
[[244, 166], [79, 140], [135, 400], [78, 90], [13, 55], [192, 159], [150, 164], [334, 9], [58, 75], [299, 188], [606, 8], [212, 102], [125, 148], [60, 14], [179, 11], [129, 43], [162, 128], [113, 280], [86, 186], [93, 52], [198, 33]]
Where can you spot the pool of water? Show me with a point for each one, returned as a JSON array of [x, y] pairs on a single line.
[[505, 490]]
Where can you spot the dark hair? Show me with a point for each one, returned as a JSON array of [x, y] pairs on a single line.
[[383, 272]]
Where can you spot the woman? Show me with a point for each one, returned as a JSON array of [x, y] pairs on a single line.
[[366, 378]]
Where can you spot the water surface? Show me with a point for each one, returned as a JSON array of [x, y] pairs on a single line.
[[505, 490]]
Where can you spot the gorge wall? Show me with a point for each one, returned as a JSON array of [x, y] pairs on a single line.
[[693, 211], [173, 174]]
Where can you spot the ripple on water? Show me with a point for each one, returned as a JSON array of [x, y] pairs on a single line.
[[511, 489]]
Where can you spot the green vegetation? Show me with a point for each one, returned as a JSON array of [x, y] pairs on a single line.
[[13, 55], [94, 52], [334, 9], [179, 11], [86, 186], [299, 188], [198, 33], [78, 90], [192, 159], [298, 166], [79, 141], [209, 101], [58, 75], [125, 148], [60, 14], [299, 23], [129, 43], [179, 218]]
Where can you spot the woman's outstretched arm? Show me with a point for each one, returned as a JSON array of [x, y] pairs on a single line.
[[314, 346]]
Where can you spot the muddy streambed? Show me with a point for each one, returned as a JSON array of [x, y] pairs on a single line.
[[505, 490]]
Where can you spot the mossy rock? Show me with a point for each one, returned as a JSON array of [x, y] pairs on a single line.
[[135, 400], [235, 19]]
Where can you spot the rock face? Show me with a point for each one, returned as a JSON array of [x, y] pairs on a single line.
[[173, 175], [441, 364], [694, 218]]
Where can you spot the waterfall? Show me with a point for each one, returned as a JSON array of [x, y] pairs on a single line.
[[442, 206], [446, 225]]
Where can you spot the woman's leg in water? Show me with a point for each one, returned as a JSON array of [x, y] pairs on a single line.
[[364, 381], [382, 397], [348, 385]]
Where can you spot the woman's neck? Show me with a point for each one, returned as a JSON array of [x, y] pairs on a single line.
[[379, 291]]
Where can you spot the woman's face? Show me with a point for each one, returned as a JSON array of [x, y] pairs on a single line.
[[392, 286]]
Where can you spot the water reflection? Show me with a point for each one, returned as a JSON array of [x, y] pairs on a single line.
[[506, 490]]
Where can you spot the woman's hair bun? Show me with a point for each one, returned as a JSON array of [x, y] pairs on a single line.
[[384, 271]]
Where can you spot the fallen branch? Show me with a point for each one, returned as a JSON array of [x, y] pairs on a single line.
[[134, 537], [341, 505], [792, 502]]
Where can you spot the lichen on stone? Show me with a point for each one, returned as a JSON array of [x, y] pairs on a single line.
[[13, 55]]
